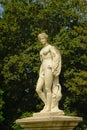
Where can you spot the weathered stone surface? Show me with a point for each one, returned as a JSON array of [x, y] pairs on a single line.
[[49, 90], [49, 122], [48, 87], [49, 114]]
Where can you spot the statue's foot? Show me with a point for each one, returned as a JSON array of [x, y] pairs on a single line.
[[45, 109], [60, 112]]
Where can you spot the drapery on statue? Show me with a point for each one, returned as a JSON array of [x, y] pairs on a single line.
[[48, 86]]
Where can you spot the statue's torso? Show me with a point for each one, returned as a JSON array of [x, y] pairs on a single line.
[[46, 57]]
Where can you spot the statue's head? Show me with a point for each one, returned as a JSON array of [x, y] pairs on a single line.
[[42, 35]]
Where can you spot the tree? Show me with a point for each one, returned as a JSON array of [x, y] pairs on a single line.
[[18, 61], [72, 43], [19, 53], [1, 104]]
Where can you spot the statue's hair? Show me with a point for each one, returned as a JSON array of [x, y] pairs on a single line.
[[43, 34]]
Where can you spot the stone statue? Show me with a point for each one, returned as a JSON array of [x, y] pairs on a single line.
[[49, 90], [48, 86]]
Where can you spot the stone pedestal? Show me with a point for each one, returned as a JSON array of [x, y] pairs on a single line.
[[49, 121]]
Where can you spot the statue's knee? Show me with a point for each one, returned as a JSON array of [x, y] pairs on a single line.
[[38, 90]]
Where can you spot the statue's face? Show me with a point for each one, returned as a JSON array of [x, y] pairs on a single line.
[[43, 40]]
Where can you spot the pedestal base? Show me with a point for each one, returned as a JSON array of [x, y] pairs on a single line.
[[49, 114], [49, 122]]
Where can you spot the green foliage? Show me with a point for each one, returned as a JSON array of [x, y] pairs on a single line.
[[19, 54], [16, 126], [65, 22], [1, 104], [72, 44], [26, 114], [1, 107]]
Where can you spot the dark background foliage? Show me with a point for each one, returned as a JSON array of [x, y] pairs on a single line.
[[65, 23]]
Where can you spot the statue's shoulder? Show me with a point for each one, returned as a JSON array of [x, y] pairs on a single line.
[[55, 49], [50, 46]]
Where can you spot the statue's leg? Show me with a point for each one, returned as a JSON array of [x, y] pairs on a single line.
[[39, 88], [48, 85]]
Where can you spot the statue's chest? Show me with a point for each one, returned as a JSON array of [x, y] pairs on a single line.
[[45, 51]]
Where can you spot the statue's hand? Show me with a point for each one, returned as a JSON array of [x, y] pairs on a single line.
[[55, 72]]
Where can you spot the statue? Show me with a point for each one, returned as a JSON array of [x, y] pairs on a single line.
[[49, 90], [48, 86]]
